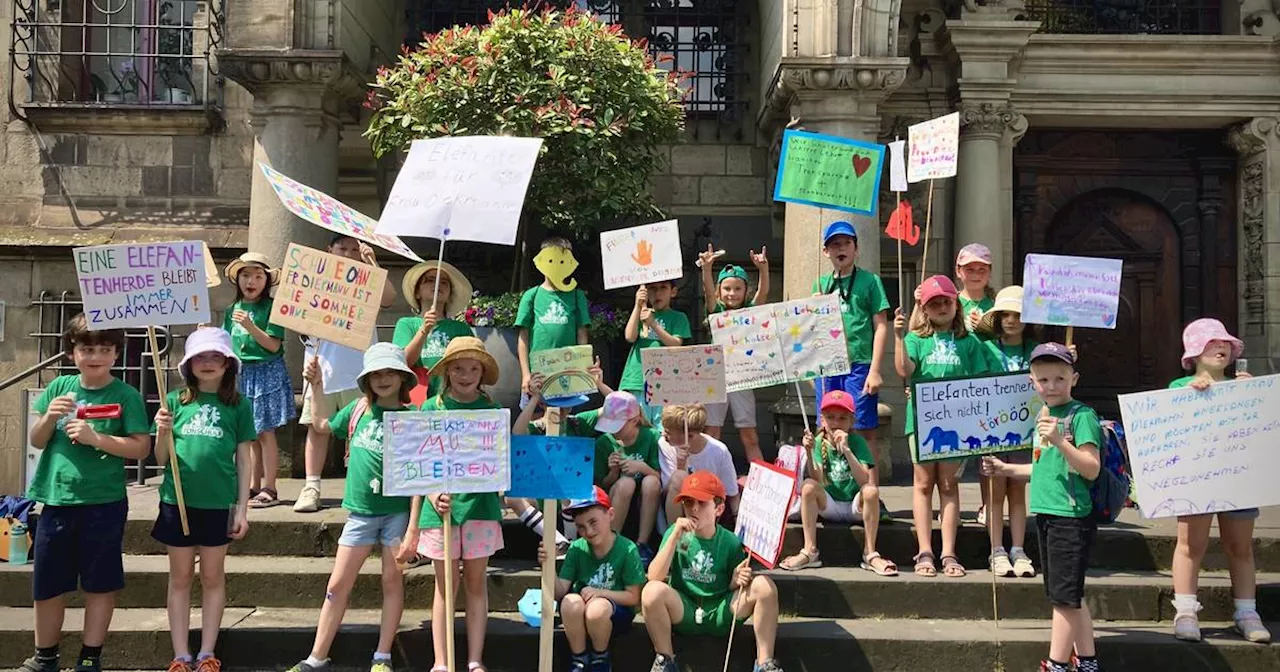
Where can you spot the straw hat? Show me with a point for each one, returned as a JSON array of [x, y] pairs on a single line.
[[253, 259], [468, 347], [1009, 300], [459, 297], [382, 357]]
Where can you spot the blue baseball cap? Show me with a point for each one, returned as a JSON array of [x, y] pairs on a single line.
[[838, 229], [1055, 351]]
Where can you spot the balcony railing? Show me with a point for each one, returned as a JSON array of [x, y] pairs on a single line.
[[1128, 17]]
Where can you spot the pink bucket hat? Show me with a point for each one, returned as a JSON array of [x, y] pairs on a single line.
[[1197, 336], [208, 339], [974, 252]]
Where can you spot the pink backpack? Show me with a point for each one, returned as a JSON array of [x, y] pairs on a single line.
[[362, 407]]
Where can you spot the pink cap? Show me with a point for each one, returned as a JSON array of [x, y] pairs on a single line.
[[935, 286], [974, 252], [1199, 334], [619, 407], [837, 399]]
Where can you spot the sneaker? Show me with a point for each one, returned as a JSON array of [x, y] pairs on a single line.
[[1022, 564], [89, 665], [305, 667], [662, 663], [180, 665], [1251, 628], [212, 664], [646, 555], [1048, 666], [34, 664], [601, 662], [999, 562], [770, 665], [579, 662], [381, 666], [1186, 626], [308, 500]]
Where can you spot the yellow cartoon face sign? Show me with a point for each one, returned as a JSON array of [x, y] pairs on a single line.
[[558, 265]]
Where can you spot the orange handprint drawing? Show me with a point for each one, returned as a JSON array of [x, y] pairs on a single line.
[[643, 254]]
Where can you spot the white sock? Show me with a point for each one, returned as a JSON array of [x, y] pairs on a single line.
[[317, 662], [1014, 550], [532, 519], [1185, 604], [560, 539], [314, 481], [378, 655], [997, 550], [1245, 608]]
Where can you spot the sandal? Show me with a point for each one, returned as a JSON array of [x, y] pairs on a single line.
[[888, 568], [474, 666], [925, 565], [802, 560], [952, 568], [266, 498]]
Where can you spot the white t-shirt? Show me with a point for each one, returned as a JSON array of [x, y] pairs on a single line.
[[714, 458]]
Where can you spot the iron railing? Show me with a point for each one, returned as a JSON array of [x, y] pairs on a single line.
[[1128, 17]]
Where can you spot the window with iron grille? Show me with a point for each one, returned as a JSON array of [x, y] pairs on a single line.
[[705, 38], [114, 52], [1128, 17]]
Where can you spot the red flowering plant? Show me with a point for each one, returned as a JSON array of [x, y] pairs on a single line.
[[599, 100]]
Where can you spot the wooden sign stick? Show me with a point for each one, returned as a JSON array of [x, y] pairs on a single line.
[[928, 223], [1071, 334], [169, 445], [733, 622], [992, 521], [449, 565], [547, 628]]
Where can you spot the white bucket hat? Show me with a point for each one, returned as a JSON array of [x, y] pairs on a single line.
[[382, 357], [208, 339]]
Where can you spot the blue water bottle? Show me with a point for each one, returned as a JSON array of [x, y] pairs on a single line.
[[19, 547]]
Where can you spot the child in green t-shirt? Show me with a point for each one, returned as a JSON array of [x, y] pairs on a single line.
[[211, 427], [438, 309], [652, 324], [554, 314], [90, 423], [701, 580], [627, 464]]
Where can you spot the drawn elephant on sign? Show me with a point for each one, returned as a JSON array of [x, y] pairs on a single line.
[[1013, 439], [943, 440], [973, 442], [992, 441]]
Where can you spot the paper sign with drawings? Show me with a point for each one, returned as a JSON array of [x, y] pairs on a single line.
[[565, 371], [143, 284], [552, 467], [1071, 291], [691, 374], [781, 342], [641, 254], [762, 514], [329, 297], [454, 452], [964, 417]]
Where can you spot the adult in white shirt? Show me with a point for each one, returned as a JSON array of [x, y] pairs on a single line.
[[684, 449]]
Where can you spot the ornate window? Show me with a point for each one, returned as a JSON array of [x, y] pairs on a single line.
[[1128, 17]]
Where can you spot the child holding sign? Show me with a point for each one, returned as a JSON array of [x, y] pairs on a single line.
[[627, 464], [554, 314], [652, 324], [1208, 349], [211, 427], [475, 518], [940, 347], [701, 580], [264, 379], [90, 423], [437, 307]]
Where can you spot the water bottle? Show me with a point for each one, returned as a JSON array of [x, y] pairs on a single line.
[[1242, 365], [18, 544]]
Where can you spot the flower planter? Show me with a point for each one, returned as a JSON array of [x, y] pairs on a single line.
[[501, 344]]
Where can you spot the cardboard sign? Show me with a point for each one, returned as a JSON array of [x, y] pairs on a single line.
[[329, 297], [933, 148], [454, 452], [557, 361], [691, 374], [1198, 452], [143, 284], [781, 342], [1071, 291], [762, 513], [462, 188], [328, 212], [641, 254], [552, 467], [211, 275], [963, 417], [827, 171]]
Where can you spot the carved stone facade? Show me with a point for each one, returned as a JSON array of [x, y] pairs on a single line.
[[1258, 143]]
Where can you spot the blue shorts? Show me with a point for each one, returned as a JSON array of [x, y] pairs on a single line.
[[79, 545], [387, 531], [866, 406], [208, 527], [622, 619]]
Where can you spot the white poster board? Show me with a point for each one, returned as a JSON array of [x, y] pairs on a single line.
[[933, 148], [641, 254], [762, 513], [1202, 452], [961, 418], [454, 452], [1071, 291], [143, 284], [692, 374], [781, 342], [462, 188]]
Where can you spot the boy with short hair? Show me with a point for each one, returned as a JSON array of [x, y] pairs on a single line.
[[554, 314], [652, 324], [90, 423], [1064, 464], [684, 449], [701, 580]]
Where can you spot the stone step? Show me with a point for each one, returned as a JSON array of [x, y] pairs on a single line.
[[829, 592], [269, 639]]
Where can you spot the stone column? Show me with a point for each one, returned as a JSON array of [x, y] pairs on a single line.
[[1258, 142], [981, 212], [1005, 257]]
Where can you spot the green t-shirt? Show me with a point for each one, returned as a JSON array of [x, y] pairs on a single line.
[[861, 298], [363, 490], [841, 485], [581, 425], [982, 305], [206, 433], [1181, 382], [619, 569], [943, 356], [1009, 358], [645, 449], [721, 308], [1056, 488], [552, 317], [467, 506], [249, 350], [673, 322], [703, 568], [71, 474], [433, 348]]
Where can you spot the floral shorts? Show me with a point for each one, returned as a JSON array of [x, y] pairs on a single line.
[[476, 539]]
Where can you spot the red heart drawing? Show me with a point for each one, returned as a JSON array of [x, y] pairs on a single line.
[[861, 164], [765, 324]]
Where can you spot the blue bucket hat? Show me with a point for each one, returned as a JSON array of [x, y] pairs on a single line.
[[838, 229]]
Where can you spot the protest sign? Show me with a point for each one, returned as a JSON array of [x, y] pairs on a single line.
[[454, 452], [641, 254], [143, 284], [565, 370], [328, 212], [1071, 291], [827, 171], [781, 342], [691, 374], [763, 511], [552, 467], [329, 297], [211, 276], [462, 188], [932, 148], [963, 417], [1208, 451]]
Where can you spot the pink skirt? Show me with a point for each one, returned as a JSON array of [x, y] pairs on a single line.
[[476, 539]]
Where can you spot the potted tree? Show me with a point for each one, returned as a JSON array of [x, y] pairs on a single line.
[[175, 47]]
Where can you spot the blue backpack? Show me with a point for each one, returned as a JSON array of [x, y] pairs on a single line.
[[1110, 491]]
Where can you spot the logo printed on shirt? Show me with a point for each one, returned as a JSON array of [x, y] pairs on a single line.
[[204, 423], [839, 470], [701, 568], [555, 314], [435, 345], [369, 437], [603, 578], [944, 353]]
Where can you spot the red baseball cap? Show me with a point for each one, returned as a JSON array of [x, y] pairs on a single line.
[[935, 286], [838, 399], [701, 486], [598, 498]]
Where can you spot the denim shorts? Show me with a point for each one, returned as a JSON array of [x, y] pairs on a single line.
[[387, 531], [866, 407]]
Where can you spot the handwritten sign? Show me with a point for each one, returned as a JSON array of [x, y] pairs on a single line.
[[763, 511], [328, 212], [641, 254], [963, 417], [143, 284], [454, 452], [462, 188], [552, 467], [1204, 452], [691, 374], [1071, 291], [332, 298], [932, 148], [553, 363], [781, 342], [828, 171]]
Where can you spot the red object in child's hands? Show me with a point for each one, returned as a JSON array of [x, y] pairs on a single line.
[[99, 412]]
